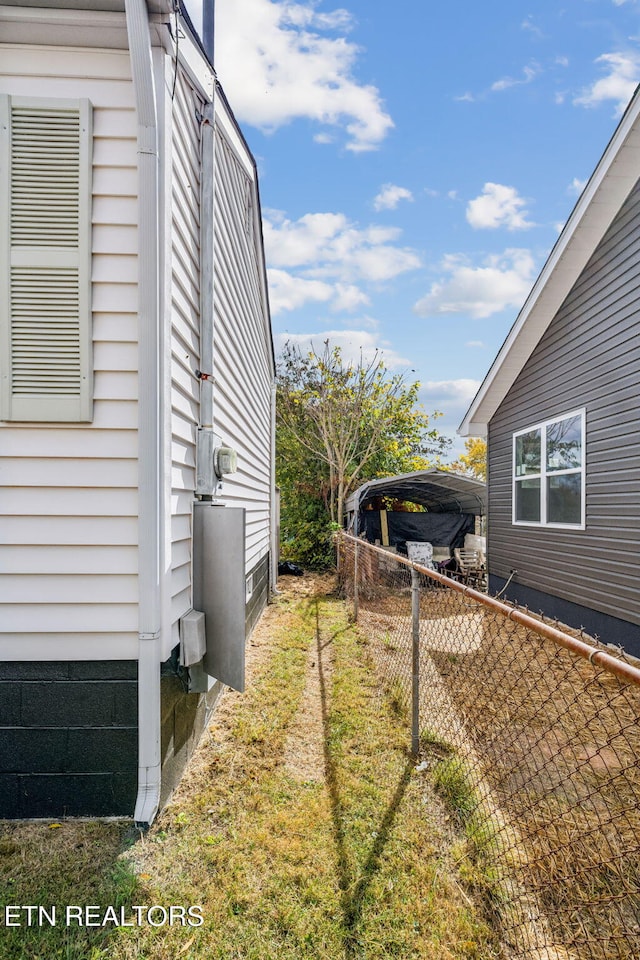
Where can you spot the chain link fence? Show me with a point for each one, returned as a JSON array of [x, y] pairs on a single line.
[[531, 737]]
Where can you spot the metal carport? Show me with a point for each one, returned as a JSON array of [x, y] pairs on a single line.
[[438, 491]]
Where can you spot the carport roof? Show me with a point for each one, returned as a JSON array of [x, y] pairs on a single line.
[[440, 491]]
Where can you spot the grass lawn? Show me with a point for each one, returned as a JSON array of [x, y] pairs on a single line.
[[301, 830]]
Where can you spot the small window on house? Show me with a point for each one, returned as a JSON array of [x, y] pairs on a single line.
[[548, 473], [45, 241]]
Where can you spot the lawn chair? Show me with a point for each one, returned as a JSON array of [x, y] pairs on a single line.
[[471, 569]]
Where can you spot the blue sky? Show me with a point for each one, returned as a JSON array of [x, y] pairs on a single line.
[[417, 161]]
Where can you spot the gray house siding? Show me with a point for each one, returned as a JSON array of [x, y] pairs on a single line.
[[588, 358]]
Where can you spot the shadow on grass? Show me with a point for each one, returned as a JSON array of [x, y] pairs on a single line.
[[353, 890]]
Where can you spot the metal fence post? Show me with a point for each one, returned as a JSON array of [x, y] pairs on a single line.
[[355, 582], [415, 662]]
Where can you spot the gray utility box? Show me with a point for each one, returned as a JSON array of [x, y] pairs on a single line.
[[193, 639], [219, 588]]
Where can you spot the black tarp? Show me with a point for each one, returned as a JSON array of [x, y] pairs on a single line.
[[440, 529]]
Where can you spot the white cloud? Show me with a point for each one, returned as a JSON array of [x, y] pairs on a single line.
[[353, 344], [576, 186], [498, 206], [290, 292], [293, 244], [287, 292], [328, 246], [474, 343], [458, 392], [479, 291], [277, 66], [390, 196], [304, 15], [618, 84], [374, 262], [348, 297], [528, 24], [529, 73], [452, 399], [325, 258]]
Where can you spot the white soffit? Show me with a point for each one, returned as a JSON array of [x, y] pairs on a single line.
[[92, 6], [95, 23], [609, 186]]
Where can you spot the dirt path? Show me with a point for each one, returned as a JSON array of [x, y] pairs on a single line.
[[304, 754]]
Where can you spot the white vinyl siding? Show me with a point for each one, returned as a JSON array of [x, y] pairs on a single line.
[[69, 492], [242, 346], [242, 362], [45, 222]]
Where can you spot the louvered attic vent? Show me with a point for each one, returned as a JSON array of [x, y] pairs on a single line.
[[46, 368]]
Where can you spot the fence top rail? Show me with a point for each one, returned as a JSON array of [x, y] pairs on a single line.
[[594, 654]]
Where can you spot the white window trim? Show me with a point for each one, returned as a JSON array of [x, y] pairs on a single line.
[[543, 475]]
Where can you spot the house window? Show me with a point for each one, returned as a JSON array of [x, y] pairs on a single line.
[[45, 250], [548, 472]]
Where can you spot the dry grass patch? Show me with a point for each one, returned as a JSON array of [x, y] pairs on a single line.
[[354, 861], [342, 866]]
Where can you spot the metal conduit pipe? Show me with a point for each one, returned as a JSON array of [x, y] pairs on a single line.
[[206, 481], [149, 439]]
